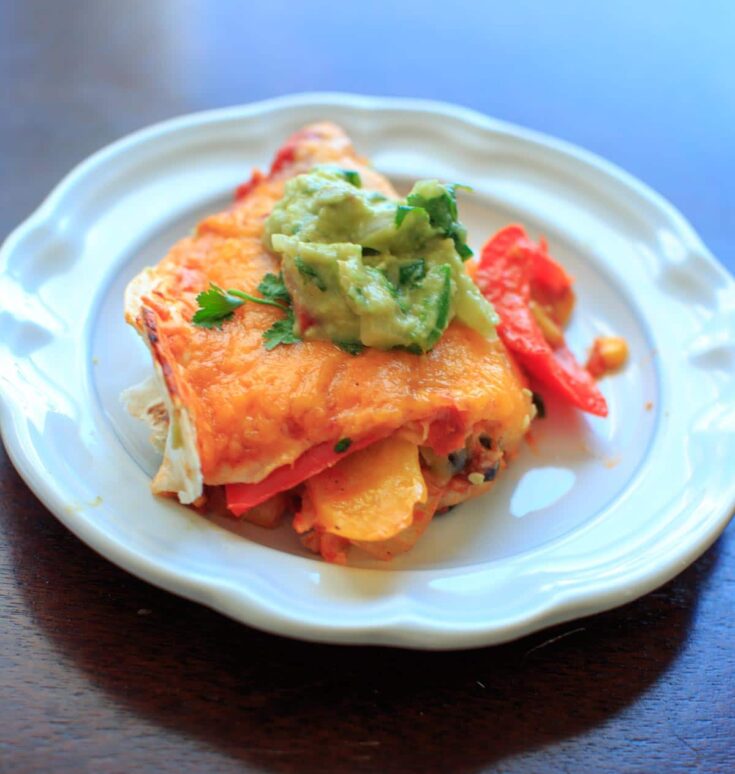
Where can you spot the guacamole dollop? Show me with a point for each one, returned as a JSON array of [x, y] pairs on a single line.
[[364, 269]]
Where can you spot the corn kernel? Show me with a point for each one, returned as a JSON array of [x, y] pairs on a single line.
[[613, 351], [608, 354]]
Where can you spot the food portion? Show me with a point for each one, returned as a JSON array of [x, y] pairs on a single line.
[[608, 355], [321, 352]]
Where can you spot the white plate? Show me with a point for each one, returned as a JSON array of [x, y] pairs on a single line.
[[600, 512]]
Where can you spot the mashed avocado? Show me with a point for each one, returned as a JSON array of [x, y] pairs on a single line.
[[371, 270]]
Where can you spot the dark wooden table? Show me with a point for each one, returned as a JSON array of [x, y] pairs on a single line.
[[102, 672]]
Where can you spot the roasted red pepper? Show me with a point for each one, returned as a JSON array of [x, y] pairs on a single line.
[[287, 153], [285, 156], [242, 497], [509, 265], [245, 188], [447, 431], [546, 271]]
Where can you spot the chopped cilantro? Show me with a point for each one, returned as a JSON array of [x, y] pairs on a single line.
[[309, 273], [414, 349], [442, 312], [410, 274], [401, 211], [273, 287], [352, 177], [351, 347], [215, 306], [464, 250], [342, 445], [281, 332], [442, 209], [442, 213], [382, 277]]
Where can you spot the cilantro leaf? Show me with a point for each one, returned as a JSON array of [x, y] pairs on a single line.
[[273, 287], [342, 445], [442, 209], [410, 274], [463, 249], [401, 211], [351, 347], [281, 332], [215, 306], [309, 273], [443, 215], [352, 177], [445, 295]]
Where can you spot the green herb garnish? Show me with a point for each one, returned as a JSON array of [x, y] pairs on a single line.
[[411, 274], [281, 332], [272, 286], [352, 177], [217, 305], [442, 311], [442, 213], [309, 273], [351, 347], [342, 445], [401, 211]]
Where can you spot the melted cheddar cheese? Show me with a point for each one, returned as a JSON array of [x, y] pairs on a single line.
[[251, 410]]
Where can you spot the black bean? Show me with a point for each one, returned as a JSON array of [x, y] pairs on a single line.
[[490, 473], [458, 459], [538, 401], [486, 442]]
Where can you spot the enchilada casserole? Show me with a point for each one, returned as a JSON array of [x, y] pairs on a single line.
[[321, 352]]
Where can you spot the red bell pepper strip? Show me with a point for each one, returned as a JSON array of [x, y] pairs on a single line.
[[448, 431], [546, 271], [286, 155], [509, 263], [247, 187], [243, 497], [284, 158]]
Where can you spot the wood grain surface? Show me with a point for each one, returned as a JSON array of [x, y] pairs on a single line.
[[101, 672]]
